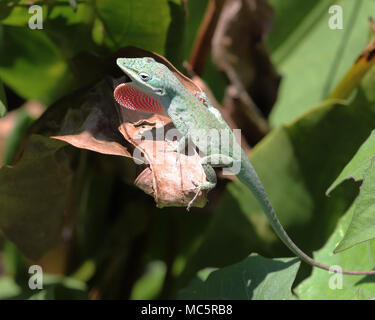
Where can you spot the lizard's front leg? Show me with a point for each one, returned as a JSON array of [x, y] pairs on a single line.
[[216, 159]]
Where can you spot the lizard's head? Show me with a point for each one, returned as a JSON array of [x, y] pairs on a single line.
[[148, 88], [146, 74]]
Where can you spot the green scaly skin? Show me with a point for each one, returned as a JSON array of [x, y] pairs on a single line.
[[190, 116]]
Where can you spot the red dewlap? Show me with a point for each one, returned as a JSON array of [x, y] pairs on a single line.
[[131, 98]]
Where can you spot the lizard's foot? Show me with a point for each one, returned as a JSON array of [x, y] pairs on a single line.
[[199, 188]]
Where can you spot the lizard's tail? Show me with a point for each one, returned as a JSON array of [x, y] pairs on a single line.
[[249, 177]]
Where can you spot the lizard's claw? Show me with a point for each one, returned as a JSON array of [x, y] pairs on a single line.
[[192, 200], [196, 185], [199, 188]]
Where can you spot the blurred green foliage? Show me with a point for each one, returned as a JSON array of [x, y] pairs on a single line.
[[39, 64]]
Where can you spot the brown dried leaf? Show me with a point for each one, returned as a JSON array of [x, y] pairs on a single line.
[[168, 181], [93, 124]]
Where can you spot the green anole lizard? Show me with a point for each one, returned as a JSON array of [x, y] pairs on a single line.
[[154, 87]]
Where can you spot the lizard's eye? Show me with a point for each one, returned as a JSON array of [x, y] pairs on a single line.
[[144, 76]]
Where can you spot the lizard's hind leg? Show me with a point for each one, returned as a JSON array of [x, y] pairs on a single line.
[[210, 184], [217, 160]]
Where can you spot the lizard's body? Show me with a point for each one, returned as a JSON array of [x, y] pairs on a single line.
[[192, 117]]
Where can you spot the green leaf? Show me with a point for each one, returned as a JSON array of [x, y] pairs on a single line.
[[9, 288], [71, 31], [323, 285], [136, 23], [358, 165], [32, 65], [255, 278], [3, 100], [362, 227], [360, 168], [311, 57], [33, 196]]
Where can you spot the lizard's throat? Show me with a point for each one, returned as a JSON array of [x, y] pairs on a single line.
[[129, 97]]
